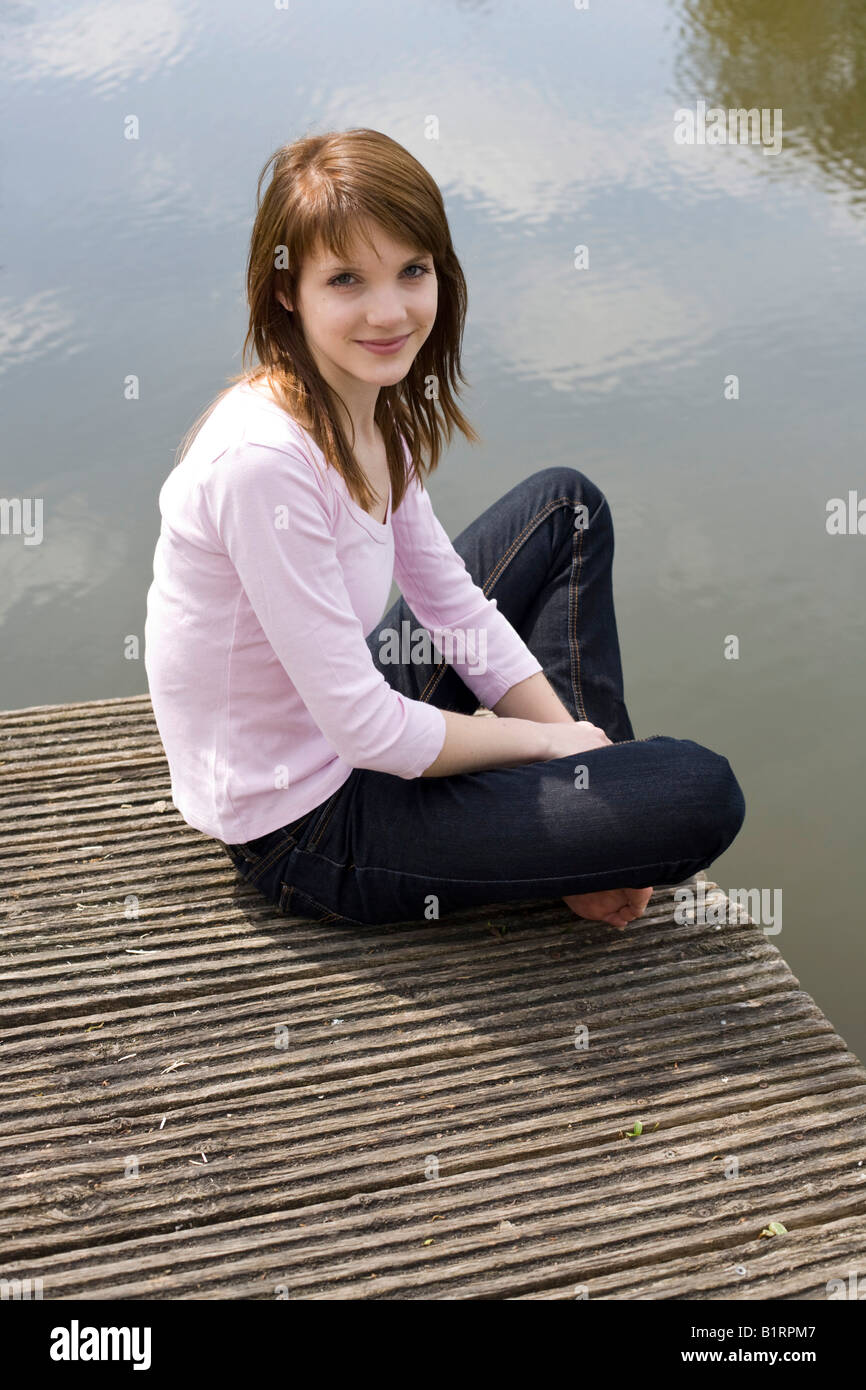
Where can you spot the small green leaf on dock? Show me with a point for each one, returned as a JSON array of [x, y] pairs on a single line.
[[775, 1228], [633, 1133]]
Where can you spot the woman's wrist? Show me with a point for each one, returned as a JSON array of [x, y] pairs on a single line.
[[533, 738]]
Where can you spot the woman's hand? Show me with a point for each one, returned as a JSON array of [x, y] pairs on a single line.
[[616, 906], [578, 736]]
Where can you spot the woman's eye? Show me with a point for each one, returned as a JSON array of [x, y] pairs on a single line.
[[347, 275]]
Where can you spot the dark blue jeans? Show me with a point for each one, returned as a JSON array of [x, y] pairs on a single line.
[[645, 813]]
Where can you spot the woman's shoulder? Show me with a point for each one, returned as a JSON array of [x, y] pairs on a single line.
[[248, 424], [261, 419]]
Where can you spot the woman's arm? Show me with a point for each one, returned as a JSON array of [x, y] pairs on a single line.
[[474, 745], [534, 698]]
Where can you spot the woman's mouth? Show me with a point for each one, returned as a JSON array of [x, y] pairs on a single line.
[[383, 347]]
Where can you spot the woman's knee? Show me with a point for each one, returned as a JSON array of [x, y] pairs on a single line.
[[721, 800], [570, 483], [701, 786]]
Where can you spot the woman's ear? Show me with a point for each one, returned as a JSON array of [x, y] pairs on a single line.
[[282, 298]]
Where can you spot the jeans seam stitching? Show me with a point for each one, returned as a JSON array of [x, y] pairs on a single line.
[[574, 601], [271, 858], [531, 525], [434, 680], [319, 828]]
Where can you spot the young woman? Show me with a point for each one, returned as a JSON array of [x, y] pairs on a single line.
[[333, 750]]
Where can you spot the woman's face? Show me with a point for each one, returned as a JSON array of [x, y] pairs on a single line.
[[374, 296]]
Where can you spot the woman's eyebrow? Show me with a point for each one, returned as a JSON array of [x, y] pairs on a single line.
[[344, 265]]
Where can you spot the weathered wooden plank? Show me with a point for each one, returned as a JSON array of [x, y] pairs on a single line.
[[798, 1267], [391, 1152], [374, 1063], [141, 982], [254, 1258]]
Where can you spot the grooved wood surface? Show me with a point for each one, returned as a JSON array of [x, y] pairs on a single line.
[[207, 1100]]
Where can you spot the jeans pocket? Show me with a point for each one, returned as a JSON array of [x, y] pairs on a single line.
[[292, 902], [254, 858], [325, 812]]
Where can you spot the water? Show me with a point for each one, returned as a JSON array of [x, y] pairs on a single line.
[[556, 128]]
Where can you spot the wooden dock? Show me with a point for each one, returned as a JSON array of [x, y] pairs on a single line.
[[204, 1100]]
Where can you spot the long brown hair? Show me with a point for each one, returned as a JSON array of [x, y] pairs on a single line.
[[323, 190]]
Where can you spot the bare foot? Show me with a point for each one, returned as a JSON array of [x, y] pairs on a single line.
[[616, 906]]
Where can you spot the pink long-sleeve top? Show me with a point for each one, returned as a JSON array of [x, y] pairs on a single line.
[[268, 576]]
